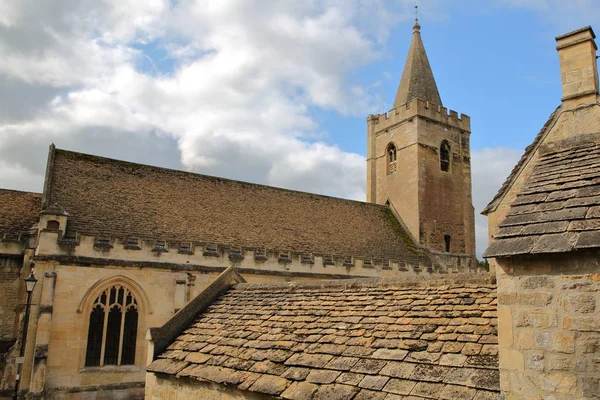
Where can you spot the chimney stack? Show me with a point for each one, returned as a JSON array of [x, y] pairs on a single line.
[[578, 66]]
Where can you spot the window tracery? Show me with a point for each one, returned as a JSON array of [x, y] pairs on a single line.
[[112, 328]]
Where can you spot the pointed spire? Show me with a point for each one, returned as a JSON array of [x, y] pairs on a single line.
[[417, 78]]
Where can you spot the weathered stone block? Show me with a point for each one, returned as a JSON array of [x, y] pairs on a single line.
[[582, 303], [591, 387], [535, 361], [511, 360], [525, 339], [583, 324], [537, 299], [562, 383], [505, 324], [563, 343], [537, 282]]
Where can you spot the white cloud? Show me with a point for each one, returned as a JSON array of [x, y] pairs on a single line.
[[235, 100], [565, 15], [490, 168]]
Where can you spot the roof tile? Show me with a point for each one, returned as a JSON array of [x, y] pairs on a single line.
[[123, 199], [18, 212], [266, 367]]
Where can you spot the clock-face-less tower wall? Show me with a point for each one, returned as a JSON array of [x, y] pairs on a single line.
[[418, 158]]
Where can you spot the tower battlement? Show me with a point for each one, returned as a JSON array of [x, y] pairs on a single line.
[[421, 108]]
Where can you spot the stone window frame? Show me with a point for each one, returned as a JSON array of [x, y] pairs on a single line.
[[391, 158], [445, 155], [53, 224], [120, 301], [85, 308]]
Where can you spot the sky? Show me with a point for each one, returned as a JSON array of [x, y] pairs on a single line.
[[269, 91]]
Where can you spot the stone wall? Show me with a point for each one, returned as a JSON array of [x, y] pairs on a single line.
[[549, 327], [10, 267]]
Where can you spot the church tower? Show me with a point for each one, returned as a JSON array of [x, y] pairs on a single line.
[[418, 159]]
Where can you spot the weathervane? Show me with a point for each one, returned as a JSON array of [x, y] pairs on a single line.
[[416, 12]]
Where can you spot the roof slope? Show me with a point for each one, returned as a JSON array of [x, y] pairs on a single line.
[[337, 339], [18, 211], [105, 196], [529, 150], [417, 77], [558, 207]]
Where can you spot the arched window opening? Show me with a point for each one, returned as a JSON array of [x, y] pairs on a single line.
[[113, 328], [445, 156], [53, 224], [391, 158]]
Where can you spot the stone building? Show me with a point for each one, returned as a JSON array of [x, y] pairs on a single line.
[[545, 223], [419, 161], [119, 248]]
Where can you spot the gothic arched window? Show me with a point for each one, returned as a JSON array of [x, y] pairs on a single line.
[[113, 328], [391, 158], [445, 156]]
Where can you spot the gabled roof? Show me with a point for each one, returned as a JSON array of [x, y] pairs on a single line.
[[417, 77], [122, 199], [18, 211], [341, 339], [558, 207], [529, 151]]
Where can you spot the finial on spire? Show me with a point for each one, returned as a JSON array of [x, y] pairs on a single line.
[[416, 26], [416, 12]]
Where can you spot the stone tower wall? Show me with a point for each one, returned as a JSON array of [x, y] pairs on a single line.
[[445, 196], [431, 202]]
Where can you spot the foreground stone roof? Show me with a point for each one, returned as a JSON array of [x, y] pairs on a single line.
[[121, 199], [558, 208], [18, 212], [351, 339]]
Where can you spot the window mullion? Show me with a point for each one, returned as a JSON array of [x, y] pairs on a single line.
[[123, 312], [106, 311]]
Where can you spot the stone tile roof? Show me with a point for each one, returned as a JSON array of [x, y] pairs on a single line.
[[121, 199], [529, 150], [558, 207], [356, 339], [18, 212]]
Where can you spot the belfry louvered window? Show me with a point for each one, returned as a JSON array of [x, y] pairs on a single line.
[[445, 156], [113, 328], [391, 158]]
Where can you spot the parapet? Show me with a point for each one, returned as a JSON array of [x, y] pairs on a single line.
[[421, 108]]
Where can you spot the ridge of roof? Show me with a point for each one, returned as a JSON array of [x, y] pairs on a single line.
[[421, 281], [529, 151], [417, 79], [174, 171]]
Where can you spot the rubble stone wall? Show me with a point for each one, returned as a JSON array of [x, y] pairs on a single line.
[[549, 327]]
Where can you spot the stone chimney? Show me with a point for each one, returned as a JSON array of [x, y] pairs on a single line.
[[578, 66]]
